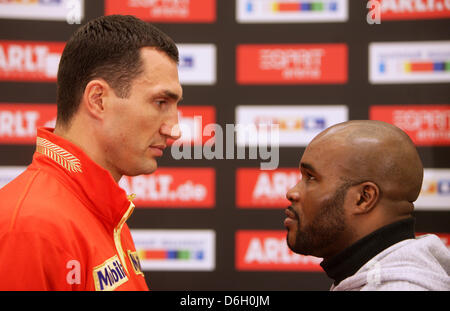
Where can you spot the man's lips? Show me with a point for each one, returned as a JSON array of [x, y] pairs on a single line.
[[291, 218], [157, 150]]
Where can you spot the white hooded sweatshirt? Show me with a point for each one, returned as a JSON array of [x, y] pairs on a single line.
[[422, 263]]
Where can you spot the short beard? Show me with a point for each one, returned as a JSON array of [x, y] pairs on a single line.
[[325, 229]]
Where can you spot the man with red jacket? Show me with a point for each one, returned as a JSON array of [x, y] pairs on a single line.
[[62, 221]]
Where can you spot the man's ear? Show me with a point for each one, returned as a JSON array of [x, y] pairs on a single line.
[[94, 97], [365, 197]]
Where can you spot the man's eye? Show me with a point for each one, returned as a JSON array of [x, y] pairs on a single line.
[[309, 176], [161, 102]]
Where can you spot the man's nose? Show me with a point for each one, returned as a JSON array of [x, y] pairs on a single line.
[[170, 127], [293, 194]]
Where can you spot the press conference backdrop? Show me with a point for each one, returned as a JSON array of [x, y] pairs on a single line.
[[213, 220]]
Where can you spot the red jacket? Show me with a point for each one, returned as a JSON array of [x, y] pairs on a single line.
[[62, 225]]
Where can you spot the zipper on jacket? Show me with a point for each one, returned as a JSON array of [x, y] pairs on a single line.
[[118, 229]]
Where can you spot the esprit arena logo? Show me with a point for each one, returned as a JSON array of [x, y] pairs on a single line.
[[426, 125], [175, 11], [291, 63]]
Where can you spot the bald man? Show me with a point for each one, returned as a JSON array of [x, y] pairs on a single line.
[[353, 207]]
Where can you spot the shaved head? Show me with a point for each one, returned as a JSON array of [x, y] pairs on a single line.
[[379, 152], [357, 177]]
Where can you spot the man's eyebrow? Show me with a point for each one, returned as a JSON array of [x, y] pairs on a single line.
[[171, 95], [308, 167]]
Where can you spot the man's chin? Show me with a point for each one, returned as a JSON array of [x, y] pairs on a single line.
[[296, 245], [291, 242], [143, 170]]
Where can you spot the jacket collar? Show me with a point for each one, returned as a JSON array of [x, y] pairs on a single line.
[[93, 184]]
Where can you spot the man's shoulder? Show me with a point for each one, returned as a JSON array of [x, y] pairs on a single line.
[[422, 247], [423, 262], [37, 199]]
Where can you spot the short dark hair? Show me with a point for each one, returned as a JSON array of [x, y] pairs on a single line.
[[107, 47]]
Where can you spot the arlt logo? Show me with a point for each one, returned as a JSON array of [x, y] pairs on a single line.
[[18, 122], [264, 189], [29, 61], [268, 251], [414, 9], [173, 187]]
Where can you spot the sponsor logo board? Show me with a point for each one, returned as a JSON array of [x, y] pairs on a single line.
[[264, 189], [58, 10], [8, 173], [18, 122], [435, 193], [193, 121], [29, 61], [409, 62], [414, 9], [293, 11], [197, 64], [165, 11], [297, 125], [291, 63], [268, 251], [173, 188], [427, 125], [176, 250]]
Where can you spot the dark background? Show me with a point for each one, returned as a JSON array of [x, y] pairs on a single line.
[[225, 95]]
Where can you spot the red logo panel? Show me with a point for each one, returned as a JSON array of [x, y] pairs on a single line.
[[268, 251], [414, 9], [426, 125], [29, 61], [173, 188], [170, 11], [192, 121], [292, 64], [18, 122], [256, 188]]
